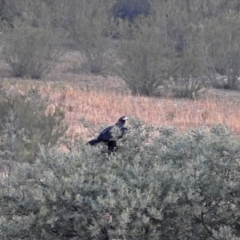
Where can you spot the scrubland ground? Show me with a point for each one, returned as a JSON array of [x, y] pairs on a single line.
[[102, 100]]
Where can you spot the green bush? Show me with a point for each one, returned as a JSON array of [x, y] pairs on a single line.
[[26, 125], [182, 29], [188, 76], [145, 58], [31, 52], [222, 35], [89, 25], [32, 46], [171, 186], [164, 54]]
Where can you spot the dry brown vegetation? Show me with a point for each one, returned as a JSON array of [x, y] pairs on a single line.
[[104, 108], [102, 100]]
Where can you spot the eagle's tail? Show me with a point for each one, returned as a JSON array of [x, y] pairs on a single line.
[[93, 141]]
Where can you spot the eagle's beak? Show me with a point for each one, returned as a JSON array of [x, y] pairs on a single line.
[[125, 118]]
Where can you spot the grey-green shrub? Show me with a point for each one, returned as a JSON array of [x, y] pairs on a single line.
[[189, 78], [222, 35], [144, 59], [32, 46], [26, 124], [89, 25], [171, 186], [182, 30], [31, 52], [164, 54]]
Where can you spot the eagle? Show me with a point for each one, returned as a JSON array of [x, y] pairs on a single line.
[[108, 137]]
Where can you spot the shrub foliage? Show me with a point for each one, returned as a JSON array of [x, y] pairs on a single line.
[[144, 58], [222, 35], [171, 186], [173, 48], [32, 45], [89, 25], [25, 125]]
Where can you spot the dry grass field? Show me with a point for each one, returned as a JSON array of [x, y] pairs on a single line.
[[102, 100]]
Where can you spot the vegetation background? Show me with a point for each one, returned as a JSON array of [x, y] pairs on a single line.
[[67, 67]]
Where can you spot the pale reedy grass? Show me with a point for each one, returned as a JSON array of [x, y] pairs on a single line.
[[100, 107], [104, 108]]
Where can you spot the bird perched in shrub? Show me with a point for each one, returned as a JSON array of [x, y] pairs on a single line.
[[110, 134]]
